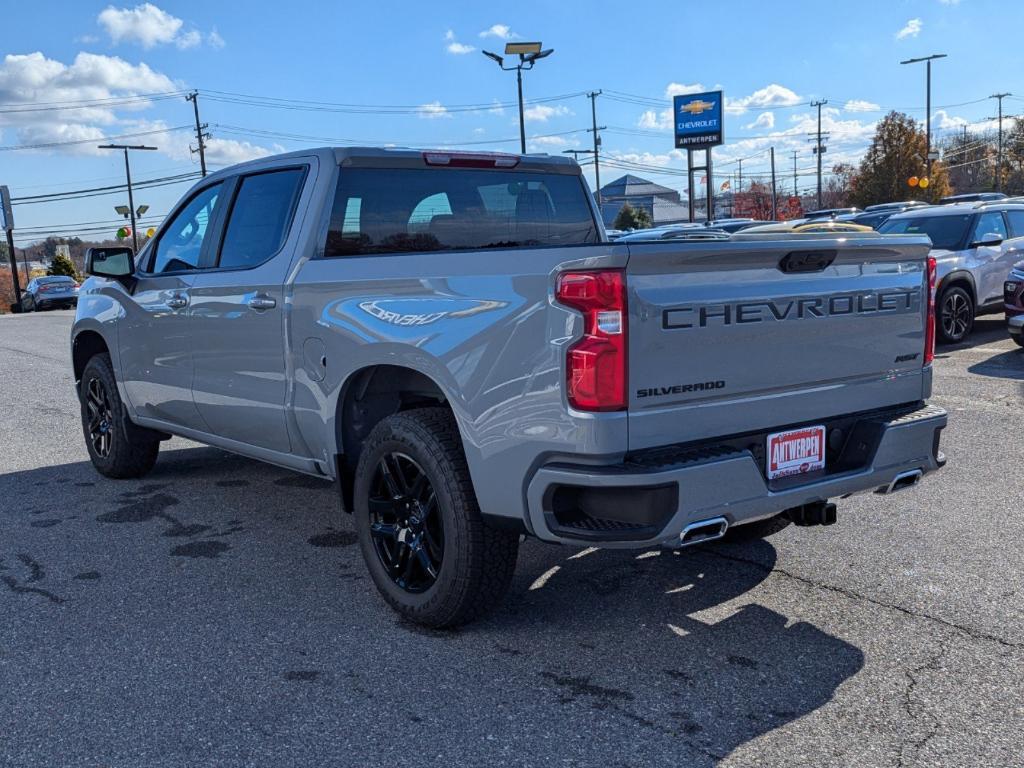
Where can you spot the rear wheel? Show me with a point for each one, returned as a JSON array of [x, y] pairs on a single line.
[[1018, 340], [428, 549], [956, 315], [117, 447]]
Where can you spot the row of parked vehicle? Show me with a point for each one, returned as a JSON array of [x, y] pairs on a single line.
[[977, 240]]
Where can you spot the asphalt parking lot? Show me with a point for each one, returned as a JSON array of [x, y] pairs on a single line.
[[218, 613]]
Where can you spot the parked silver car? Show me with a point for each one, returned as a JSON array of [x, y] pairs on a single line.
[[975, 245], [49, 292]]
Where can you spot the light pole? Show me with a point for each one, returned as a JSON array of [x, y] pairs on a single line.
[[529, 54], [927, 108], [128, 176]]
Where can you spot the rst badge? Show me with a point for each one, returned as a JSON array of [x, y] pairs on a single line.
[[796, 452]]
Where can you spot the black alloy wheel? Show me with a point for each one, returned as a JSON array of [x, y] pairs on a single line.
[[405, 523], [956, 315], [101, 417]]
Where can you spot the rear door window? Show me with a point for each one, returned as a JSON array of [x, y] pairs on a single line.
[[1016, 222], [394, 210], [260, 217], [990, 223]]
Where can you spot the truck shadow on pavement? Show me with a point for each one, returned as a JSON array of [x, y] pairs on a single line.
[[632, 654]]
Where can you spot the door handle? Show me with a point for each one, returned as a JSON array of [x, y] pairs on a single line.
[[177, 301], [260, 302]]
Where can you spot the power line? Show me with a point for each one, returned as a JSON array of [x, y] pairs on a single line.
[[100, 191], [92, 140]]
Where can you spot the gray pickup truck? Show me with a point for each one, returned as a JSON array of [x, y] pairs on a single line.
[[452, 339]]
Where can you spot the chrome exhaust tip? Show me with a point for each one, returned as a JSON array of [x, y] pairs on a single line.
[[903, 481], [703, 531]]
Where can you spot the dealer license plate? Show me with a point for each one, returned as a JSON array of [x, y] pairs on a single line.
[[796, 452]]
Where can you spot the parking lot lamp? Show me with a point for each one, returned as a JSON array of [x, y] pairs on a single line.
[[928, 106], [128, 177], [529, 54]]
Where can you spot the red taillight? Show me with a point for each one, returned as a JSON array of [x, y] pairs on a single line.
[[595, 366], [929, 328]]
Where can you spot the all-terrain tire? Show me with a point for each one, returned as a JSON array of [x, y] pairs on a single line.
[[478, 559], [128, 451]]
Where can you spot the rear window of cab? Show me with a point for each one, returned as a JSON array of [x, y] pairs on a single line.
[[396, 210]]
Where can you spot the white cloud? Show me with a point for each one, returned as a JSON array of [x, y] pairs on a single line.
[[432, 111], [497, 109], [682, 89], [214, 40], [47, 132], [501, 31], [911, 29], [230, 151], [454, 46], [946, 121], [860, 105], [148, 26], [655, 121], [33, 78], [950, 2], [540, 113], [773, 95], [555, 142], [764, 120]]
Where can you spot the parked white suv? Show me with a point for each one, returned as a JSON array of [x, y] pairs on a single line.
[[975, 246]]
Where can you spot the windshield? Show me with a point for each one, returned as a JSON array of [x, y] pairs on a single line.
[[946, 232], [57, 279]]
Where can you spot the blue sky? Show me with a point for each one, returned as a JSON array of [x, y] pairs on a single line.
[[413, 64]]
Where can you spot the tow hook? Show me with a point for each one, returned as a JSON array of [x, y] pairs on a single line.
[[816, 513]]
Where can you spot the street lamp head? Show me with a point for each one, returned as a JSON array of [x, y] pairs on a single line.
[[924, 58], [539, 55], [141, 210], [494, 57], [523, 49], [122, 210]]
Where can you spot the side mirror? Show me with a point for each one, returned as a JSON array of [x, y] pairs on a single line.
[[116, 262], [989, 238]]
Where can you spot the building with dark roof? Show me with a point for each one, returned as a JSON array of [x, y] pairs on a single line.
[[664, 205]]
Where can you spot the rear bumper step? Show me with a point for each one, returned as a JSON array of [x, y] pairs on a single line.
[[637, 504]]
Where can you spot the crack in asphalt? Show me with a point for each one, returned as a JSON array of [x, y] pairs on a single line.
[[856, 596], [909, 705]]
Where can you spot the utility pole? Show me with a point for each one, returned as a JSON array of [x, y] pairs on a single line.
[[739, 186], [597, 143], [200, 136], [927, 107], [7, 220], [819, 149], [795, 193], [128, 176], [999, 162], [774, 213]]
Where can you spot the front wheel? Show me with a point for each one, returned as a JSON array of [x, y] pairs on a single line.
[[428, 549], [1018, 340], [117, 447], [956, 315]]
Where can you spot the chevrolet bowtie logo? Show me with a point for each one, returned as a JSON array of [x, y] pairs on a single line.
[[696, 107]]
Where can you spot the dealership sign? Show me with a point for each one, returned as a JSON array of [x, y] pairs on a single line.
[[698, 120]]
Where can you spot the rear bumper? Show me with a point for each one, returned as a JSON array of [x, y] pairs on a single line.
[[651, 502]]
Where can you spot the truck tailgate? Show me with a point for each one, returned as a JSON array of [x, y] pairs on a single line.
[[756, 333]]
